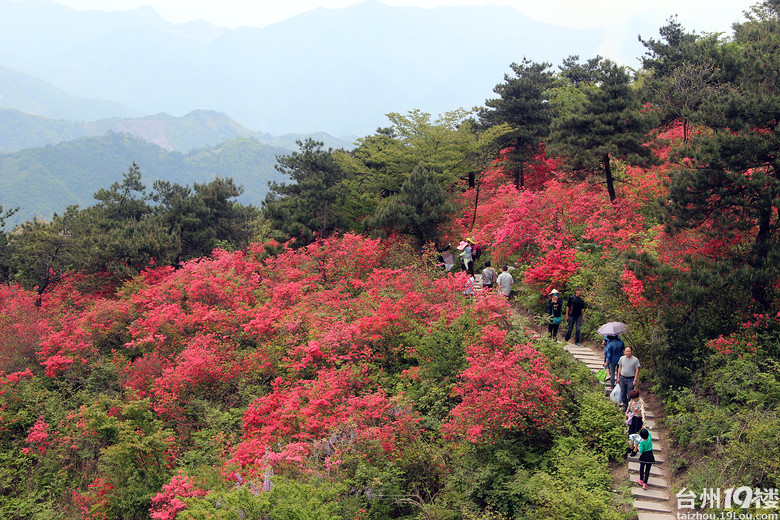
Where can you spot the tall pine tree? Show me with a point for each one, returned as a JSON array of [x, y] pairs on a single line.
[[732, 185], [607, 125], [523, 104], [419, 209]]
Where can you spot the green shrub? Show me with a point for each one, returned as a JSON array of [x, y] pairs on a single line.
[[752, 449], [551, 496], [287, 500], [601, 425]]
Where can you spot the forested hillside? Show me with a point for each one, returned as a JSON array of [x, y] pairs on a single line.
[[171, 353], [44, 181]]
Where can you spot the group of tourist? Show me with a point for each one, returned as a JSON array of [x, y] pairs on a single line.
[[623, 368], [469, 252], [575, 313], [619, 361]]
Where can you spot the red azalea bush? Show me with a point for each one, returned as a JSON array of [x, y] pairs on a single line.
[[504, 390]]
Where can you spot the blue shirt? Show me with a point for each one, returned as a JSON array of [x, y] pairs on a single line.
[[613, 351]]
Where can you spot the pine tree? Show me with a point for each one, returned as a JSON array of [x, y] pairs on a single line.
[[523, 103], [681, 74], [607, 125], [309, 205], [732, 185], [418, 209]]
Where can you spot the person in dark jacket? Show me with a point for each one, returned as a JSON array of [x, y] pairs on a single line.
[[554, 308], [613, 350], [575, 313]]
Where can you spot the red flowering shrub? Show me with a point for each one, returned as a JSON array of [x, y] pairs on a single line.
[[39, 436], [504, 390], [94, 503], [22, 325], [167, 503]]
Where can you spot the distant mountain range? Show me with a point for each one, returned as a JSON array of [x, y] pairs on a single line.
[[337, 71], [74, 88], [197, 129], [42, 181], [48, 164]]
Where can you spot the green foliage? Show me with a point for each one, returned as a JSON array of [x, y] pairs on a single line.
[[308, 207], [419, 209], [607, 126], [123, 233], [523, 104], [564, 496], [601, 426], [134, 460], [287, 500], [41, 253], [5, 252], [732, 415], [572, 482], [450, 147]]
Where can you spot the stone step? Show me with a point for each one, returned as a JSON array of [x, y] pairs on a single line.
[[646, 515], [585, 357], [574, 349], [649, 423], [633, 467], [653, 507], [654, 482], [582, 351], [658, 460], [650, 494], [656, 435]]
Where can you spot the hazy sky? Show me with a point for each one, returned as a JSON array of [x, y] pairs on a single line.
[[701, 15]]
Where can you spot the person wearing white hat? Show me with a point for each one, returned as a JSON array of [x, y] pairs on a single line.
[[465, 255]]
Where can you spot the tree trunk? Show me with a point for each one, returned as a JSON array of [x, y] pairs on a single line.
[[476, 203], [760, 255], [522, 175], [610, 180]]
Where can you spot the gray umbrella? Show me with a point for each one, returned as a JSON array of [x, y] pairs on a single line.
[[613, 328]]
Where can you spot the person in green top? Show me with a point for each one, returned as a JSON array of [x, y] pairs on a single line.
[[646, 457]]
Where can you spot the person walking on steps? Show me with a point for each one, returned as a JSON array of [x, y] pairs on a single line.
[[465, 256], [488, 276], [575, 312], [613, 351], [554, 308], [628, 367], [505, 282], [646, 457], [635, 419]]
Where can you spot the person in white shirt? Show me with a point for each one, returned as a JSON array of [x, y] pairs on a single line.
[[505, 282]]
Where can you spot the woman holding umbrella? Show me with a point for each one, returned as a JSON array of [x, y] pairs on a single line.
[[613, 346]]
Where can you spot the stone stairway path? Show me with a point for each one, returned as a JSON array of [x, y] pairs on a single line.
[[654, 502]]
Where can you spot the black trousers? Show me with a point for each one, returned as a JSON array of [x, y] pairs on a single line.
[[646, 460], [552, 328]]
